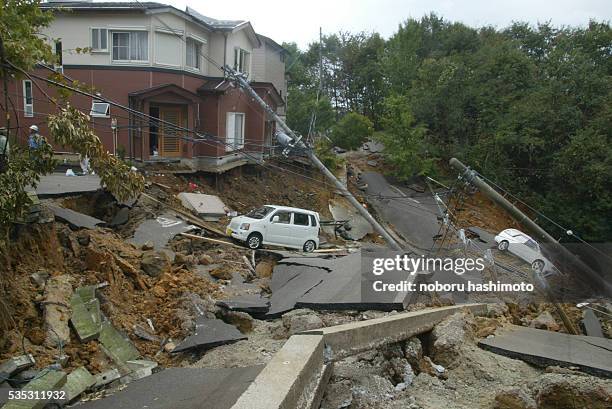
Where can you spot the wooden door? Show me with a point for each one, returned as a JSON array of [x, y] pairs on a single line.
[[170, 137]]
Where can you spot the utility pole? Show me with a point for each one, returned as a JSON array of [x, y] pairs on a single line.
[[291, 140], [472, 177]]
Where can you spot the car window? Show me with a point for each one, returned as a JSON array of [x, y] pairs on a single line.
[[532, 244], [313, 220], [283, 217], [260, 212], [300, 219]]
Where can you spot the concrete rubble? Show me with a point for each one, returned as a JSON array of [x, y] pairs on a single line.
[[208, 207], [210, 333]]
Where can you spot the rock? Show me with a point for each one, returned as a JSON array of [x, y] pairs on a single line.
[[185, 259], [486, 326], [222, 273], [497, 310], [147, 246], [97, 260], [264, 269], [169, 347], [372, 391], [337, 396], [399, 370], [301, 320], [121, 217], [449, 336], [154, 263], [545, 321], [413, 351], [427, 366], [83, 238], [554, 391], [514, 399], [241, 320], [40, 278], [58, 292], [205, 260], [158, 291]]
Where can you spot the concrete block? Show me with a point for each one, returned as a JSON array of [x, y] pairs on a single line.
[[209, 207], [104, 378], [75, 219], [116, 346], [291, 380], [85, 318], [16, 364], [77, 382], [141, 368], [50, 381], [349, 339]]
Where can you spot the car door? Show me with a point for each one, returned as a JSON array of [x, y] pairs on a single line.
[[301, 229], [279, 232]]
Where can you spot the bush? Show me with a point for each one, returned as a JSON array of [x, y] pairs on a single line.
[[352, 131], [324, 152]]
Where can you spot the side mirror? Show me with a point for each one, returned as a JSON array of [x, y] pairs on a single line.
[[275, 219]]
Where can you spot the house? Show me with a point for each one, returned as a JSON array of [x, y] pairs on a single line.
[[163, 62]]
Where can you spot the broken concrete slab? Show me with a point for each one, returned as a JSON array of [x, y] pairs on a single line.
[[291, 378], [208, 207], [75, 219], [591, 324], [141, 368], [210, 333], [159, 231], [104, 378], [118, 347], [253, 304], [58, 184], [546, 348], [86, 317], [58, 292], [50, 381], [181, 388], [15, 365], [482, 237], [77, 382]]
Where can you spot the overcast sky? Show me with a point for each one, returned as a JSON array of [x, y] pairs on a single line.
[[299, 21]]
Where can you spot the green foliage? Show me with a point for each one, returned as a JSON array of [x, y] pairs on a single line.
[[70, 127], [406, 145], [329, 158], [352, 131]]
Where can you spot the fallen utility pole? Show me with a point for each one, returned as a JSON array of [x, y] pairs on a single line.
[[291, 140], [472, 177]]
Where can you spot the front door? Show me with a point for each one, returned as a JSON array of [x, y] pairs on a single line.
[[170, 137]]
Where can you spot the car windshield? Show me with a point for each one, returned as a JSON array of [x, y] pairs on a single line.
[[260, 212]]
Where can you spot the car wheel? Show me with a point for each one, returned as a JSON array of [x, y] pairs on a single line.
[[310, 246], [537, 266], [503, 245], [254, 241]]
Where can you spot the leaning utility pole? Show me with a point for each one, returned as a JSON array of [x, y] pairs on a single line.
[[472, 177], [291, 140]]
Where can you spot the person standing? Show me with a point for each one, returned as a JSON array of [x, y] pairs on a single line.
[[35, 140]]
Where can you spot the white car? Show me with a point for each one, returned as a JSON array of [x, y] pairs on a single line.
[[525, 247], [278, 226]]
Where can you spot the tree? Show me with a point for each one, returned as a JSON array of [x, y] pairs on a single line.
[[352, 131], [405, 141]]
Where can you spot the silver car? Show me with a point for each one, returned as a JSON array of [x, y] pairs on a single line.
[[524, 247]]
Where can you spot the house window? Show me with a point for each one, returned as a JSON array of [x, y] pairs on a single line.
[[235, 131], [58, 53], [28, 99], [99, 109], [242, 60], [193, 53], [99, 39], [130, 46]]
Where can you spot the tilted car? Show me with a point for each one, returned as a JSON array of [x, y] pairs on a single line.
[[278, 226], [524, 247]]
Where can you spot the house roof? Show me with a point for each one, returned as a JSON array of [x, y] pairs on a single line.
[[273, 43], [165, 89], [215, 85], [152, 7], [271, 90]]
